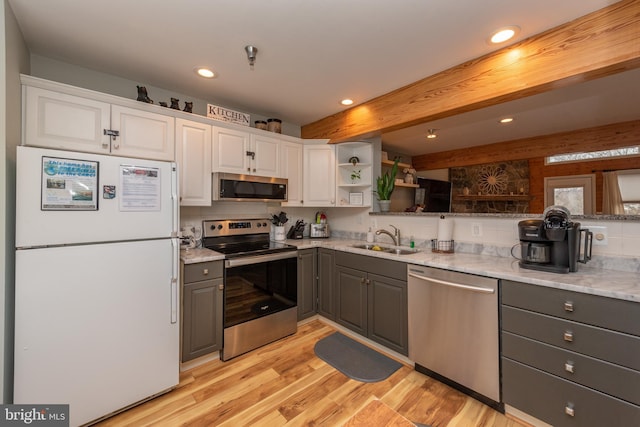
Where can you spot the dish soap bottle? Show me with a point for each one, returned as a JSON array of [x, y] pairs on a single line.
[[369, 236]]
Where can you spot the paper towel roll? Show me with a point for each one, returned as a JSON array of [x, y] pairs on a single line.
[[445, 229]]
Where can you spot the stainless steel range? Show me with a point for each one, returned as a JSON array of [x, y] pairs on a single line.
[[260, 283]]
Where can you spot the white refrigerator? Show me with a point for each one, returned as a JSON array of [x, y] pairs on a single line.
[[96, 297]]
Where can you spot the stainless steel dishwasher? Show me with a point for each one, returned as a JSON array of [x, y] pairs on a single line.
[[453, 330]]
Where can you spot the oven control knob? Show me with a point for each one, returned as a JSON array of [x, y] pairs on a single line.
[[219, 226], [264, 224], [259, 225]]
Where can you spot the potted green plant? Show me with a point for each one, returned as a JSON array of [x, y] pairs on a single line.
[[385, 185]]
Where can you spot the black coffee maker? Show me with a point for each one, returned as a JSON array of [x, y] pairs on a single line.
[[554, 243]]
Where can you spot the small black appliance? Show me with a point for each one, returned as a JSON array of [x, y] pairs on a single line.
[[554, 243]]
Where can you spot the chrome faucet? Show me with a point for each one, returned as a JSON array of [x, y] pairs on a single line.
[[395, 236]]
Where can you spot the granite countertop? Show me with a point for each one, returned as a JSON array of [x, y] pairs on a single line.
[[193, 256], [606, 283]]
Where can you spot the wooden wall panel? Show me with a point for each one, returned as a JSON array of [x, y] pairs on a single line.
[[538, 171], [598, 138], [599, 44], [536, 149]]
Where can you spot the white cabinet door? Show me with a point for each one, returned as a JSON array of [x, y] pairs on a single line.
[[230, 151], [291, 168], [56, 120], [193, 154], [266, 160], [319, 179], [142, 134]]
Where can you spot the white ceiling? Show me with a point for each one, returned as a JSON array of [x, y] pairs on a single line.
[[311, 54]]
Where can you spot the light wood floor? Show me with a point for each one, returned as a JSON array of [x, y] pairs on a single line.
[[285, 384]]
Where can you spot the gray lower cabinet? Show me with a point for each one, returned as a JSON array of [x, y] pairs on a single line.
[[570, 359], [371, 298], [326, 283], [202, 297], [307, 283]]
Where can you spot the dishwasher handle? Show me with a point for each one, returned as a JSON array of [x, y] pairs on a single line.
[[453, 285]]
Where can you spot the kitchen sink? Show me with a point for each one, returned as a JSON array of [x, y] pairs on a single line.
[[386, 249]]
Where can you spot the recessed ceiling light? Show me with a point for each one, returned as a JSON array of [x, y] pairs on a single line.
[[347, 102], [431, 134], [506, 120], [205, 72], [503, 34]]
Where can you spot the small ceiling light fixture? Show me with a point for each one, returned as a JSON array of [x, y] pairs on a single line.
[[252, 51], [431, 134], [205, 72], [503, 34], [347, 101], [506, 120]]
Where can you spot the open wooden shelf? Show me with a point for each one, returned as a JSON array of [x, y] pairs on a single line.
[[494, 197], [407, 185], [400, 165]]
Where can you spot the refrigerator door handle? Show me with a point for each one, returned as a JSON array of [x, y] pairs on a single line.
[[175, 201], [174, 280]]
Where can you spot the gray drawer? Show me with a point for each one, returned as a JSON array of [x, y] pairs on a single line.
[[615, 347], [549, 398], [371, 264], [202, 271], [611, 379], [609, 313]]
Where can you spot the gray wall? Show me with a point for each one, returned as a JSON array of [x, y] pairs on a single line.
[[62, 72], [14, 60]]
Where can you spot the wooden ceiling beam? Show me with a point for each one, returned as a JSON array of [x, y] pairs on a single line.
[[602, 43], [616, 135]]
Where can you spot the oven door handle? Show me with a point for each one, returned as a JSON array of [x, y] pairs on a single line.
[[237, 262]]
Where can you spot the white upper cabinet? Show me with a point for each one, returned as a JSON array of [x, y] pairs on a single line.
[[291, 168], [229, 150], [243, 152], [193, 155], [319, 176], [142, 134], [57, 120], [69, 122], [266, 160]]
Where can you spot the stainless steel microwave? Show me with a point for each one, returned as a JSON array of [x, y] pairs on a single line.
[[236, 187]]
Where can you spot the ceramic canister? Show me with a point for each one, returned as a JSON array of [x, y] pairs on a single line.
[[274, 125]]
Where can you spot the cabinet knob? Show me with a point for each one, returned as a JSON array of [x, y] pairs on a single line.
[[221, 287], [568, 306], [568, 366], [116, 146], [569, 410], [105, 145], [568, 336], [248, 169], [254, 169], [205, 271]]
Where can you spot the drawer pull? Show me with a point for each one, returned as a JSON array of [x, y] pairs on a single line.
[[569, 410], [205, 271], [568, 366], [568, 306], [568, 336]]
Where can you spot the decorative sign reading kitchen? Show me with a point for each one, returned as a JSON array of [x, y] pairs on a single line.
[[226, 115]]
